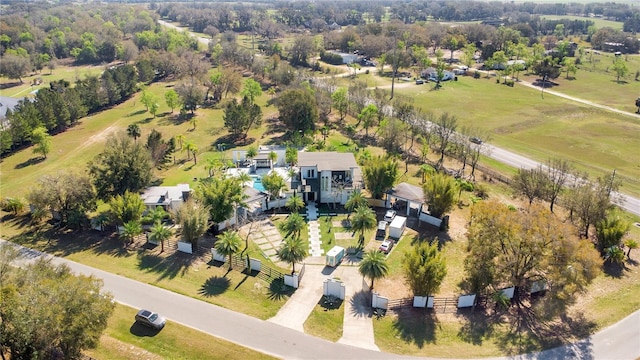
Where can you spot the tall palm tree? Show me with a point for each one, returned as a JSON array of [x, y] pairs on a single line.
[[243, 177], [130, 231], [160, 233], [211, 165], [186, 147], [180, 139], [252, 152], [292, 251], [194, 151], [374, 266], [295, 203], [356, 200], [273, 183], [273, 157], [293, 225], [133, 130], [228, 243], [364, 219]]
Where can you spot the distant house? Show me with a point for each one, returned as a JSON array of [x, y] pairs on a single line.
[[431, 74], [328, 177], [168, 197], [335, 26]]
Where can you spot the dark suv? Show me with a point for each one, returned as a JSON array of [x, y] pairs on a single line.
[[150, 319]]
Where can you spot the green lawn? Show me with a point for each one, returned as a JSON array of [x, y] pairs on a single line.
[[596, 69], [181, 273], [68, 73], [325, 321], [123, 339], [591, 139], [599, 23]]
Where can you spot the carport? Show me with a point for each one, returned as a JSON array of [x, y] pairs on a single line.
[[410, 196]]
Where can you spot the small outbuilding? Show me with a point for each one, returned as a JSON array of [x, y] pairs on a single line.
[[397, 226], [334, 256]]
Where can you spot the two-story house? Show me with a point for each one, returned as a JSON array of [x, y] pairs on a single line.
[[328, 177]]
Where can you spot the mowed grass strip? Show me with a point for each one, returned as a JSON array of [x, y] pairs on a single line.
[[520, 120], [123, 339], [326, 319], [181, 273]]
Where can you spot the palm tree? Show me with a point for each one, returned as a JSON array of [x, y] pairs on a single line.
[[186, 147], [252, 152], [374, 266], [356, 200], [180, 139], [228, 243], [364, 219], [156, 215], [243, 177], [295, 203], [631, 244], [426, 169], [273, 157], [273, 183], [194, 150], [160, 233], [130, 231], [293, 225], [212, 164], [292, 251], [194, 121], [614, 254], [133, 130]]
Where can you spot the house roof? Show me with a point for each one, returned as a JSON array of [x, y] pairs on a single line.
[[164, 194], [408, 192], [253, 194], [330, 160]]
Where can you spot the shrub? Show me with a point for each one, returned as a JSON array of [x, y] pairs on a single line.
[[481, 191]]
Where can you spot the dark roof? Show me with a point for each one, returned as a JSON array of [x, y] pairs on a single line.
[[327, 160], [252, 194], [408, 192]]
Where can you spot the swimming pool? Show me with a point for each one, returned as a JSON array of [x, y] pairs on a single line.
[[257, 183]]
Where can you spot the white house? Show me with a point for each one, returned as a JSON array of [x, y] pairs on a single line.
[[328, 177], [169, 197]]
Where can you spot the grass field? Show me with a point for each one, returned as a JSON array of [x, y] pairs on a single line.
[[596, 69], [599, 23], [592, 140], [123, 339]]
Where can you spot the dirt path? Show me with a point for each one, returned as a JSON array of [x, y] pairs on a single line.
[[582, 101]]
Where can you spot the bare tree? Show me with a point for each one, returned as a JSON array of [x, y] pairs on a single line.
[[558, 172], [444, 128]]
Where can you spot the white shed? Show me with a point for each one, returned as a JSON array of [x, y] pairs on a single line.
[[396, 228], [334, 256]]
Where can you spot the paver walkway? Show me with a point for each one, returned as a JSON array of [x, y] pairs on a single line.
[[265, 234], [315, 242]]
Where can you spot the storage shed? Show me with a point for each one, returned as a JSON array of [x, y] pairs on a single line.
[[334, 256], [397, 227]]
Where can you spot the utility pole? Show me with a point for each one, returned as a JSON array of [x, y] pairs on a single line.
[[395, 63]]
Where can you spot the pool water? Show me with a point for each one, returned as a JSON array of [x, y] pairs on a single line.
[[257, 183]]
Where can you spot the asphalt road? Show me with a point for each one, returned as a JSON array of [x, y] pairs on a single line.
[[618, 342]]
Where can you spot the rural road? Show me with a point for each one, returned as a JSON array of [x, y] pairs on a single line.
[[617, 342]]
